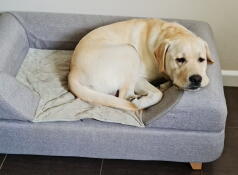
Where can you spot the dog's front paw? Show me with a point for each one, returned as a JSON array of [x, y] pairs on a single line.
[[131, 98], [138, 103], [148, 100], [136, 96]]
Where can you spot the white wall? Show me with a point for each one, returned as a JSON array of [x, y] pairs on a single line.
[[222, 15]]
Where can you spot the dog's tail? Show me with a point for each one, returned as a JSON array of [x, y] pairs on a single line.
[[94, 97]]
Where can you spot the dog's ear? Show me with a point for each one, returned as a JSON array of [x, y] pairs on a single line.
[[208, 54], [160, 54]]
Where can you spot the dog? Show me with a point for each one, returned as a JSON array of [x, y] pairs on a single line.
[[126, 56]]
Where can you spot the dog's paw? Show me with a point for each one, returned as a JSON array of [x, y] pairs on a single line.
[[131, 98], [136, 96], [137, 102]]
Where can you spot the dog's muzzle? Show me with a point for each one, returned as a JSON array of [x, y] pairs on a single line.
[[195, 82]]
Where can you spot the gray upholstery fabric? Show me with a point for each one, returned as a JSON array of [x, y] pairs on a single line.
[[171, 98], [16, 101], [59, 31], [13, 44], [91, 138]]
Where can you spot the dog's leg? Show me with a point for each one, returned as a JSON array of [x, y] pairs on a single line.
[[129, 94], [123, 92], [163, 87], [127, 91], [150, 94]]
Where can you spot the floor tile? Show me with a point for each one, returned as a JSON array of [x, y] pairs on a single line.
[[231, 94], [227, 164], [2, 156], [130, 167], [38, 165]]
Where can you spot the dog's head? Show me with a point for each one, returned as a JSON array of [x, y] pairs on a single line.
[[184, 60]]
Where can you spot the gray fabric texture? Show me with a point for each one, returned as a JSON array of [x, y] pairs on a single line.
[[60, 31], [90, 138], [170, 99], [16, 101], [13, 44]]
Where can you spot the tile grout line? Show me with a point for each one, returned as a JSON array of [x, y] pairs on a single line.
[[101, 167], [3, 161], [232, 127]]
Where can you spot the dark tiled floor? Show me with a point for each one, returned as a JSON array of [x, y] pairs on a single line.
[[2, 157], [39, 165], [129, 167], [231, 94], [225, 165]]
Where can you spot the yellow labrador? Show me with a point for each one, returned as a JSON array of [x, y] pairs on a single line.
[[127, 55]]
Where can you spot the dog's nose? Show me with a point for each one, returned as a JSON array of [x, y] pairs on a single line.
[[195, 79]]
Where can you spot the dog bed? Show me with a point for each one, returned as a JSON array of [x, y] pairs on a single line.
[[45, 72], [190, 131]]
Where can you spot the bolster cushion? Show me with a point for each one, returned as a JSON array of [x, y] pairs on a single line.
[[16, 101]]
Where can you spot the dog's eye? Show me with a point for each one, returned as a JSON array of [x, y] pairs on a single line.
[[181, 60], [201, 59]]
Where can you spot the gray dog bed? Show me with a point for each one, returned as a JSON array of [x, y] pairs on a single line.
[[184, 126]]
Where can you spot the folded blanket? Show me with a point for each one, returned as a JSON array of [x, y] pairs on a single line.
[[45, 72]]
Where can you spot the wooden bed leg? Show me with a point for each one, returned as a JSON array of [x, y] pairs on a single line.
[[196, 165]]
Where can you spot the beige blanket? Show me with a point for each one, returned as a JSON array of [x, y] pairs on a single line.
[[45, 72]]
